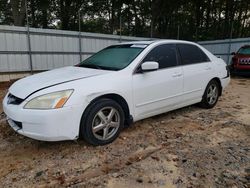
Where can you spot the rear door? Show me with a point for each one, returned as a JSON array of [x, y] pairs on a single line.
[[197, 71], [156, 91]]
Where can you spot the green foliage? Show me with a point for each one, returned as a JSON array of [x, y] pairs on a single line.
[[5, 13], [196, 19]]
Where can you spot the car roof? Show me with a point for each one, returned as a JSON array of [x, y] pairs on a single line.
[[148, 42], [139, 42], [245, 46]]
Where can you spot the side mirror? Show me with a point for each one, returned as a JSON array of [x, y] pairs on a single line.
[[233, 53], [149, 66]]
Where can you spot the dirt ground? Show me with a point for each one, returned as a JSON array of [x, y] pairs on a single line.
[[190, 147]]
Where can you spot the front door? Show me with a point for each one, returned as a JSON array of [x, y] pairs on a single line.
[[157, 91]]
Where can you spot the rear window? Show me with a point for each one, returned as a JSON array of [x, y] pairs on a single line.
[[191, 54]]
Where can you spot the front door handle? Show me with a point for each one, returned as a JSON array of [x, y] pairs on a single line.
[[208, 68], [177, 75]]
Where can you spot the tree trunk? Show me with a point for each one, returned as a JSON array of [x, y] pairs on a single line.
[[44, 6], [44, 18], [112, 23], [18, 11], [65, 8]]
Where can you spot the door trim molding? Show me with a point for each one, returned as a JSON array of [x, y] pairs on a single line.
[[165, 98]]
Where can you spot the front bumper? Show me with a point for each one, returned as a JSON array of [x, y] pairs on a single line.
[[46, 125]]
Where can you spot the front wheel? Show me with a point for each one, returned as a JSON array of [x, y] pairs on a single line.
[[102, 122], [211, 95]]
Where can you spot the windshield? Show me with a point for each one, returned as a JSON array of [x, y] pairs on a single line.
[[114, 57], [244, 51]]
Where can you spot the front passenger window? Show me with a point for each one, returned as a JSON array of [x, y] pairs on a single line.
[[164, 54]]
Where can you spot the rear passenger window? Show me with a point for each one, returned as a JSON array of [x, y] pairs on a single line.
[[191, 54], [164, 54]]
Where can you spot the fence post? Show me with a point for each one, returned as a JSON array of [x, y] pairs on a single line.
[[80, 36], [196, 34], [178, 32], [151, 28], [28, 38], [229, 45], [120, 27]]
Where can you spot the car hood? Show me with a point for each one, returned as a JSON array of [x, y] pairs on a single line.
[[26, 86], [242, 56]]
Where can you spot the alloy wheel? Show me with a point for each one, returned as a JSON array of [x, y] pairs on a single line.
[[106, 123], [212, 94]]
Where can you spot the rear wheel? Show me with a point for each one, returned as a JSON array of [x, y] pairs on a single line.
[[211, 95], [102, 122]]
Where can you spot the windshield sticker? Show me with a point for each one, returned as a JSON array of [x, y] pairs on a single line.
[[138, 46]]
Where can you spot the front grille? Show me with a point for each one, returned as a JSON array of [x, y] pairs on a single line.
[[14, 100], [245, 61]]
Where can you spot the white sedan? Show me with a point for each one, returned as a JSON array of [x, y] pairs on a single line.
[[119, 85]]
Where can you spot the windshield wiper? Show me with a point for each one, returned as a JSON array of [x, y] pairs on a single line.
[[98, 67], [91, 66]]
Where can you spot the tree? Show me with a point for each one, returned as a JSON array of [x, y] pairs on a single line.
[[197, 19]]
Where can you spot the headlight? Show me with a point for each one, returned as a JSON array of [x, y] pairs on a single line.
[[49, 101]]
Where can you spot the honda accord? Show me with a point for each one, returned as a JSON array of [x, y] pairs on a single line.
[[115, 87]]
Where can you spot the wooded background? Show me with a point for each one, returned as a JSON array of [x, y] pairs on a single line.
[[189, 19]]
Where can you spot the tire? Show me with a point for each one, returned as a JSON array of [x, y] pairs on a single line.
[[102, 122], [211, 95]]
